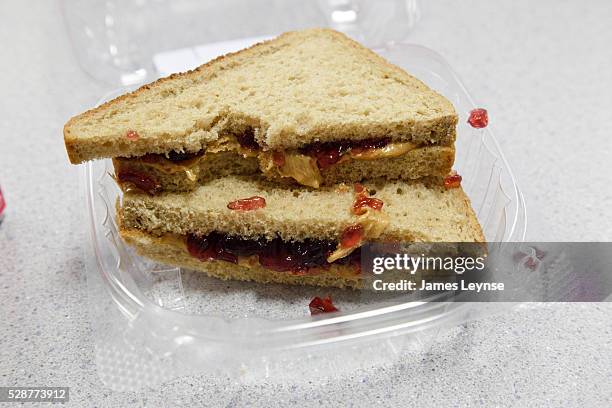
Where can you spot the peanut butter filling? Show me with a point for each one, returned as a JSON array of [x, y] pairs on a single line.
[[295, 164], [369, 225]]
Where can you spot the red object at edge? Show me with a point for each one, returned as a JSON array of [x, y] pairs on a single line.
[[479, 118], [2, 204]]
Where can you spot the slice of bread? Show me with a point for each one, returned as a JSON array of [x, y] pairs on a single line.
[[173, 253], [423, 162], [304, 86], [416, 211]]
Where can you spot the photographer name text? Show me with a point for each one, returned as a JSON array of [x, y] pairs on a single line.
[[410, 285]]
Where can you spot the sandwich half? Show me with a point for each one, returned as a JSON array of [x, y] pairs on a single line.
[[310, 107], [245, 228]]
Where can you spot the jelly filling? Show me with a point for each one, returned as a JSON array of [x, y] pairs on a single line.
[[360, 204], [479, 118], [453, 180], [248, 204], [140, 180], [276, 254], [177, 157], [173, 156], [329, 153], [132, 135], [326, 154], [321, 305], [247, 140], [351, 236], [209, 247]]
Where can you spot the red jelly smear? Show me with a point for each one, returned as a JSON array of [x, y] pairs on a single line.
[[531, 263], [278, 158], [209, 248], [132, 135], [277, 257], [352, 236], [318, 305], [453, 180], [200, 247], [276, 254], [141, 181], [248, 204], [177, 157], [479, 118], [329, 153], [366, 144], [359, 188], [151, 158], [173, 156], [247, 140], [362, 201], [298, 256]]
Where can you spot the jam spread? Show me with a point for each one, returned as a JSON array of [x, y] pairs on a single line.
[[209, 248], [278, 158], [361, 145], [371, 222], [351, 236], [132, 135], [326, 154], [453, 180], [276, 254], [178, 157], [329, 153], [318, 305], [247, 204], [303, 165], [363, 201], [247, 140], [142, 181], [281, 256], [479, 118], [173, 157]]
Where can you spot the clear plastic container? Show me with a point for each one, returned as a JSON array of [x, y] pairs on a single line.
[[115, 41], [153, 323]]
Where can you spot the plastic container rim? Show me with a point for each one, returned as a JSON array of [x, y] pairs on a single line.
[[132, 302]]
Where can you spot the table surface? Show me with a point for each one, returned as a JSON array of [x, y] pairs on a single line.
[[543, 71]]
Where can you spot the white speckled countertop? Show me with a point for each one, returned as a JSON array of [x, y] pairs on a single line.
[[543, 71]]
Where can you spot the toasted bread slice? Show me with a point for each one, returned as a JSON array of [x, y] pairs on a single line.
[[302, 87], [416, 212]]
